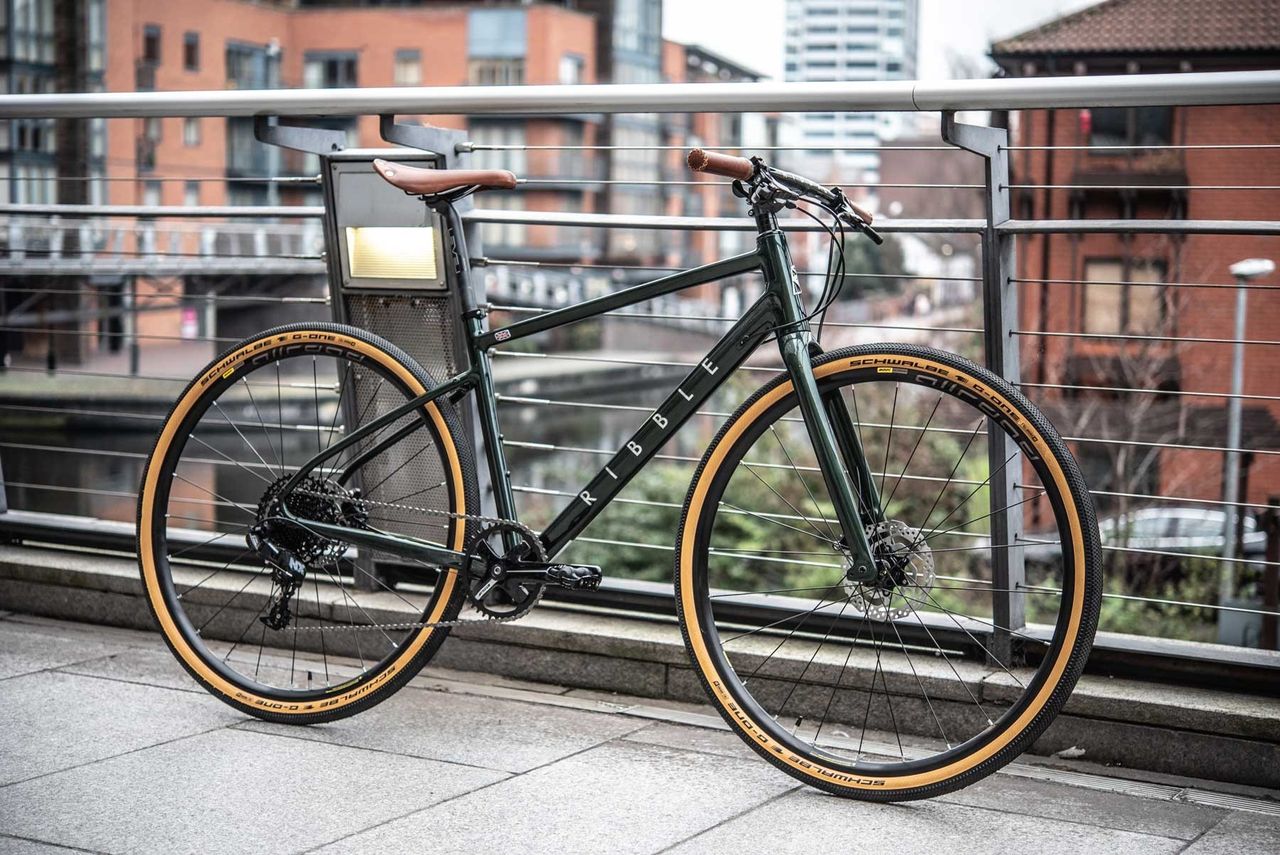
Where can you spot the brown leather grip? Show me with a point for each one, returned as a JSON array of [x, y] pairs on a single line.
[[720, 164], [862, 213]]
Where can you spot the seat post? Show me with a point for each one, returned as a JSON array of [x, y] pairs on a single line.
[[458, 245]]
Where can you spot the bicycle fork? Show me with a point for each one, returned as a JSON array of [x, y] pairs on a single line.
[[839, 452]]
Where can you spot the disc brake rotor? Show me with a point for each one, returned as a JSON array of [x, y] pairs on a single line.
[[904, 565]]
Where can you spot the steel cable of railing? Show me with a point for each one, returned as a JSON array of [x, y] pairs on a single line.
[[712, 316]]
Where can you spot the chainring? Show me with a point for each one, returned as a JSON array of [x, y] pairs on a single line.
[[503, 599]]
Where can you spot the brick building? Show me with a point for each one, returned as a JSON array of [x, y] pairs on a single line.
[[1122, 293], [263, 44]]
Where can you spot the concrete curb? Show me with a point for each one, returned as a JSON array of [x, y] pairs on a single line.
[[1155, 727]]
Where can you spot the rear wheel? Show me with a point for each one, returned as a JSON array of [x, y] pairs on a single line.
[[920, 681], [302, 650]]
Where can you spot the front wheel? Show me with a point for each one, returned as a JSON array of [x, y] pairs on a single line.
[[945, 666]]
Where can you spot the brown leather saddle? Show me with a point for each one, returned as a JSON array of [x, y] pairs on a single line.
[[430, 182]]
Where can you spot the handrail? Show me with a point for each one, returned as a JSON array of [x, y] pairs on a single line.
[[1122, 90]]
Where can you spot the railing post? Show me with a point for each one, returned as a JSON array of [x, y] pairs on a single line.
[[1000, 317], [1271, 576]]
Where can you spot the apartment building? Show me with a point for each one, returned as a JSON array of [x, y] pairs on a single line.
[[265, 44], [1124, 300], [849, 40]]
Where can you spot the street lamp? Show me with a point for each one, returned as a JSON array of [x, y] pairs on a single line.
[[1243, 271]]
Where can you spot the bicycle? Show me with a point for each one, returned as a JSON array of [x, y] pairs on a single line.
[[813, 566]]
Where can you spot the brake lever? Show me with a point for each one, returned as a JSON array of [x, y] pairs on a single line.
[[871, 233], [861, 225]]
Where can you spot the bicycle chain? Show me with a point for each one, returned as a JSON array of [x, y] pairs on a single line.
[[487, 521]]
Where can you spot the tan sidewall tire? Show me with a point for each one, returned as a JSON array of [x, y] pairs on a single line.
[[1084, 604], [447, 599]]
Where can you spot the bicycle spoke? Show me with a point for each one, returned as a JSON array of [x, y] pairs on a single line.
[[817, 509], [793, 508], [211, 575], [884, 470], [774, 591], [947, 659], [813, 656], [230, 459], [778, 621], [265, 433], [923, 692], [919, 437], [227, 418], [776, 522]]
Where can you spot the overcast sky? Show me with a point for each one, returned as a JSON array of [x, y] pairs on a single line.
[[953, 33]]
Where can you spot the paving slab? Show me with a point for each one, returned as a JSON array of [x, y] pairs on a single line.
[[615, 798], [682, 737], [18, 846], [23, 651], [807, 821], [229, 791], [54, 721], [152, 667], [1059, 801], [1238, 834], [492, 732]]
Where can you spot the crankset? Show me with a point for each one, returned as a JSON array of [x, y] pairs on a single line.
[[508, 581]]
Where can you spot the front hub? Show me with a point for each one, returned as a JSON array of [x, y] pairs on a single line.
[[904, 572]]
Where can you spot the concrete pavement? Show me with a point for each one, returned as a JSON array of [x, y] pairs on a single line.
[[108, 746]]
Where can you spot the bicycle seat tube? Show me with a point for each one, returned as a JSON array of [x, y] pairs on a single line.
[[835, 445]]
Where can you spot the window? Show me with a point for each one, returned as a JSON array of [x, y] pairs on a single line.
[[191, 194], [152, 128], [571, 66], [329, 70], [151, 193], [1131, 126], [408, 68], [508, 135], [151, 44], [191, 131], [191, 51], [496, 34], [503, 234], [1123, 307], [248, 66], [496, 72]]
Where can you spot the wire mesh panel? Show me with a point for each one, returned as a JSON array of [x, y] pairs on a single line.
[[409, 473]]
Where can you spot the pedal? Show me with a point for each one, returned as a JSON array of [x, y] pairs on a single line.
[[579, 577]]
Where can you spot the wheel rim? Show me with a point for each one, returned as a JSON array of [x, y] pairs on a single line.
[[240, 437], [798, 522]]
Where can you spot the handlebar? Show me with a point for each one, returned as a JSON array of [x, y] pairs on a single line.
[[721, 164], [742, 169]]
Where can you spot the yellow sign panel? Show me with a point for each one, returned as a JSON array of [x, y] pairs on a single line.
[[391, 252]]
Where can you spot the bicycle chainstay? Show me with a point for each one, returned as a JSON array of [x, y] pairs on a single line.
[[487, 521]]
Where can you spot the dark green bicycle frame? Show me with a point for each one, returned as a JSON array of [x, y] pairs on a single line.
[[778, 313]]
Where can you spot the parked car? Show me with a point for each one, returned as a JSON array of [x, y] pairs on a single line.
[[1196, 531]]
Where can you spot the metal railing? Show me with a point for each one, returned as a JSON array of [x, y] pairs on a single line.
[[281, 254]]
